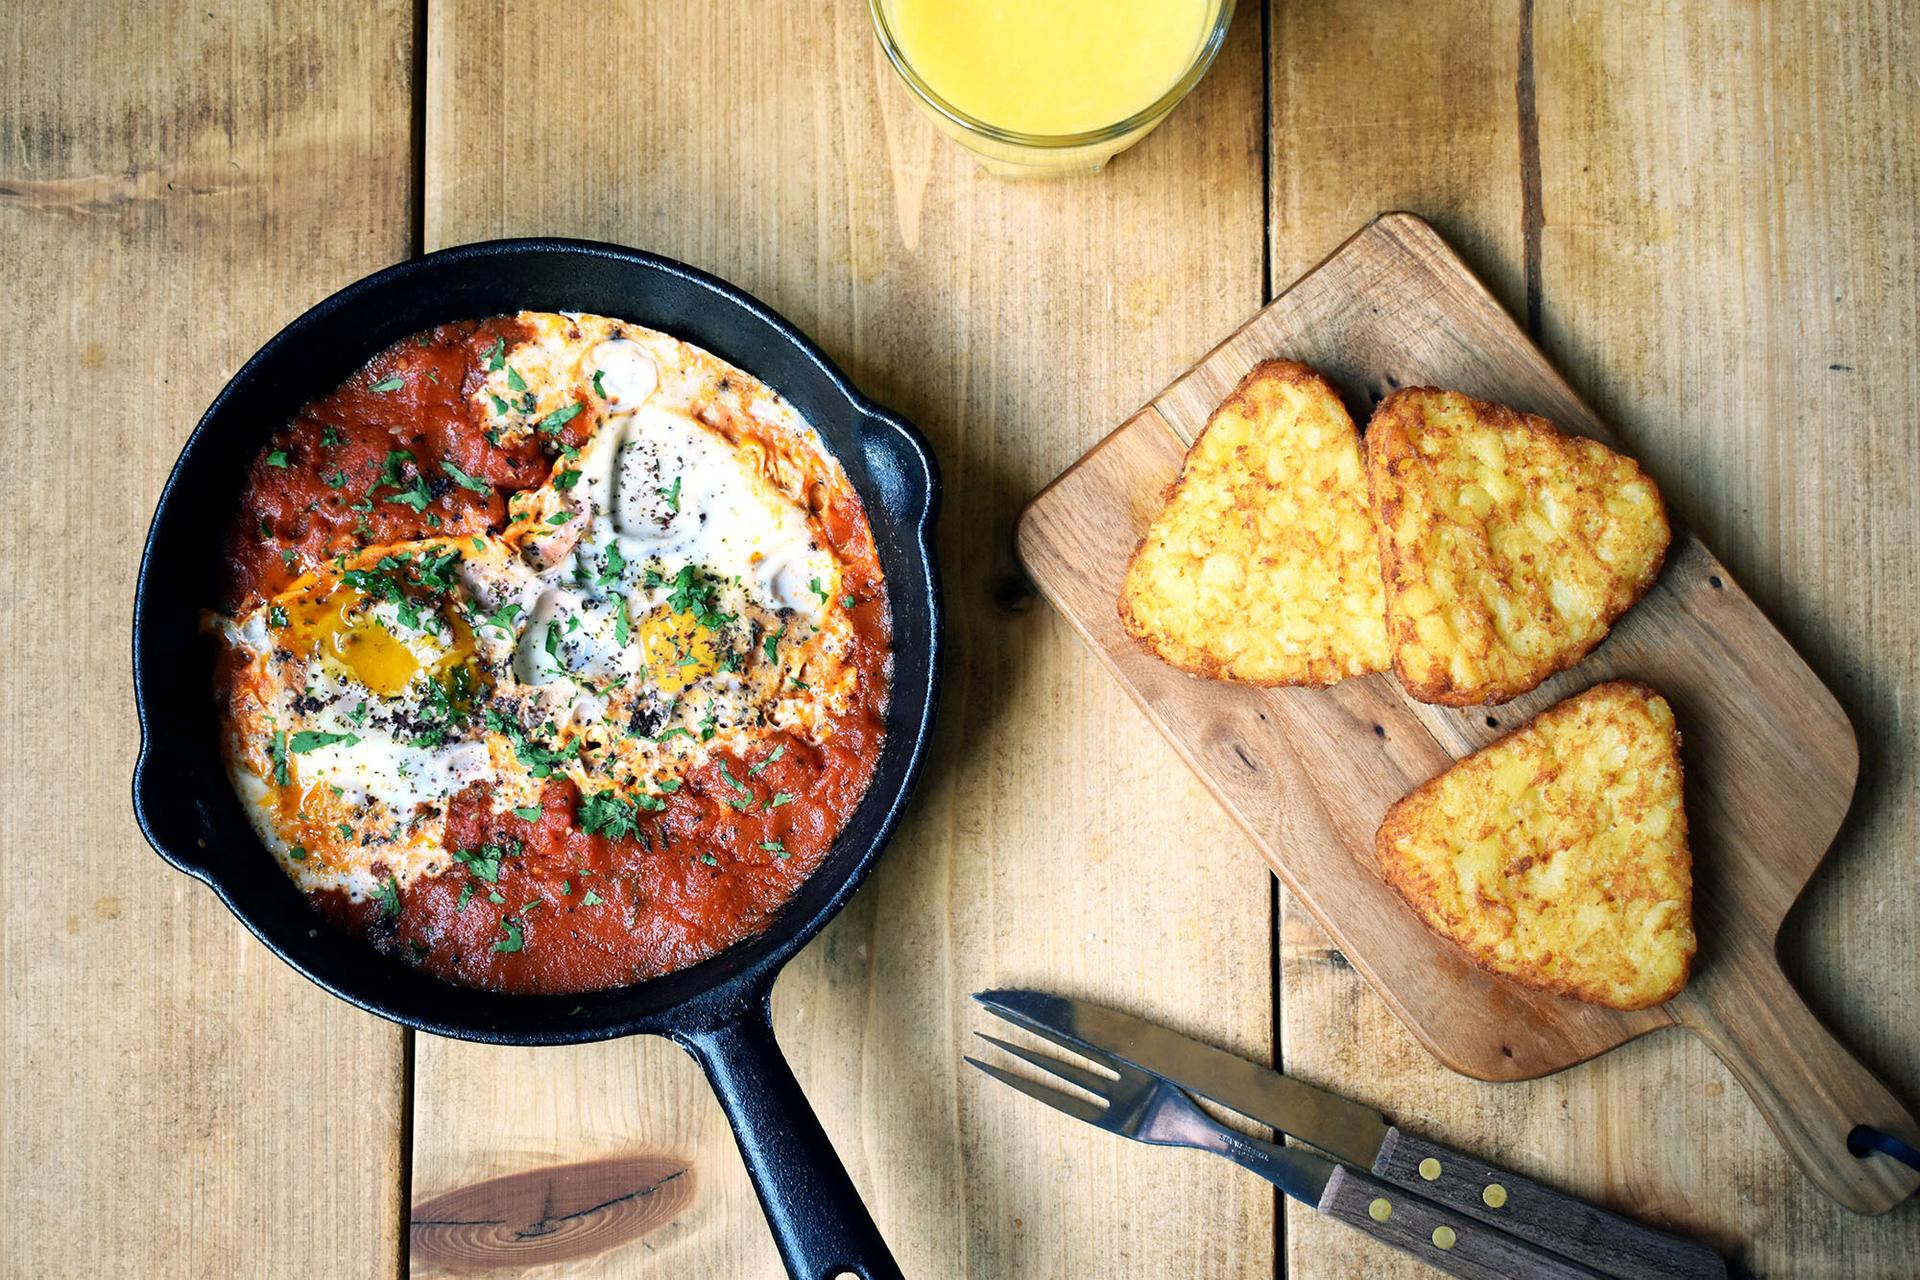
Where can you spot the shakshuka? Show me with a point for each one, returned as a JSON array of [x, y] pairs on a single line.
[[554, 654]]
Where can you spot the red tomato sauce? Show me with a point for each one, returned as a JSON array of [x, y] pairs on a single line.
[[567, 910]]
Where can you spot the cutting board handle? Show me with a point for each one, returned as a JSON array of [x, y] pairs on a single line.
[[1810, 1089]]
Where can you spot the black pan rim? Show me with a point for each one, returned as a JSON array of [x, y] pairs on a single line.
[[712, 993]]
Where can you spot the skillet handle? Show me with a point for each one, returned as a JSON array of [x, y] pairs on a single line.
[[817, 1218]]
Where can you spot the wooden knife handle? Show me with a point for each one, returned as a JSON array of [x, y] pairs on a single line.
[[1610, 1244], [1438, 1236]]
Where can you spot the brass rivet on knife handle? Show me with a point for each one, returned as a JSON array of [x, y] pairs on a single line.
[[1430, 1169], [1495, 1195], [1380, 1210]]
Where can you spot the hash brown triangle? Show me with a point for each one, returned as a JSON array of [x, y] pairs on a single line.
[[1263, 566], [1557, 856], [1509, 547]]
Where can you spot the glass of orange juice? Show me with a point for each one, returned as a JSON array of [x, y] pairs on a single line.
[[1041, 87]]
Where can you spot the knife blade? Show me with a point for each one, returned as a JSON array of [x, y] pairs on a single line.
[[1338, 1126], [1358, 1135]]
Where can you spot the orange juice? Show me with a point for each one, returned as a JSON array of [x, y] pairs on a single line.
[[1051, 67]]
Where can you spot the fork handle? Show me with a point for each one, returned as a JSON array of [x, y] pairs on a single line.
[[1612, 1245], [1438, 1236]]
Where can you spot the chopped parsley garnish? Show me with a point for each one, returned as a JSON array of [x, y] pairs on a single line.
[[813, 585], [779, 798], [566, 479], [598, 388], [605, 813], [329, 438], [514, 939], [499, 406], [592, 899], [415, 495], [622, 625], [497, 353], [437, 571], [745, 796], [773, 644], [558, 418], [390, 896], [276, 616], [493, 896], [847, 601], [313, 739], [278, 458], [529, 814], [390, 470], [614, 565], [559, 518], [514, 381], [693, 592], [346, 832], [298, 853], [388, 384], [466, 896], [483, 862], [502, 617], [338, 480], [709, 859], [671, 494], [472, 484], [756, 769], [774, 847], [538, 757]]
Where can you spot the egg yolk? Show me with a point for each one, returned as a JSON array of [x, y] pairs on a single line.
[[677, 649], [339, 625]]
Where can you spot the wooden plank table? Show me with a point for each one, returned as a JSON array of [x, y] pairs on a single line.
[[1708, 217]]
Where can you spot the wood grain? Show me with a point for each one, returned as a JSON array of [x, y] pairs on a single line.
[[1709, 210], [1054, 841], [1664, 141], [1771, 757], [1437, 1236], [1745, 226], [175, 183]]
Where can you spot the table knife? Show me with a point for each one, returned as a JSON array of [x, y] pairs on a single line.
[[1529, 1210]]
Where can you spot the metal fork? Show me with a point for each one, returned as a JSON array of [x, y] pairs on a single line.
[[1145, 1108]]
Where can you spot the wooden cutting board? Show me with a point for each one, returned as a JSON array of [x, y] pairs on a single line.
[[1770, 756]]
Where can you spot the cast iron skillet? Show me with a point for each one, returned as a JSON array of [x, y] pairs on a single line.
[[717, 1010]]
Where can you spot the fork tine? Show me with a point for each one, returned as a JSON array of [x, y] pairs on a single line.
[[1092, 1081], [1085, 1050], [1074, 1105]]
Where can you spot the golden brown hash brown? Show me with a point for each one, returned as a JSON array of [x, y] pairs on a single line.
[[1263, 567], [1508, 546], [1557, 856]]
